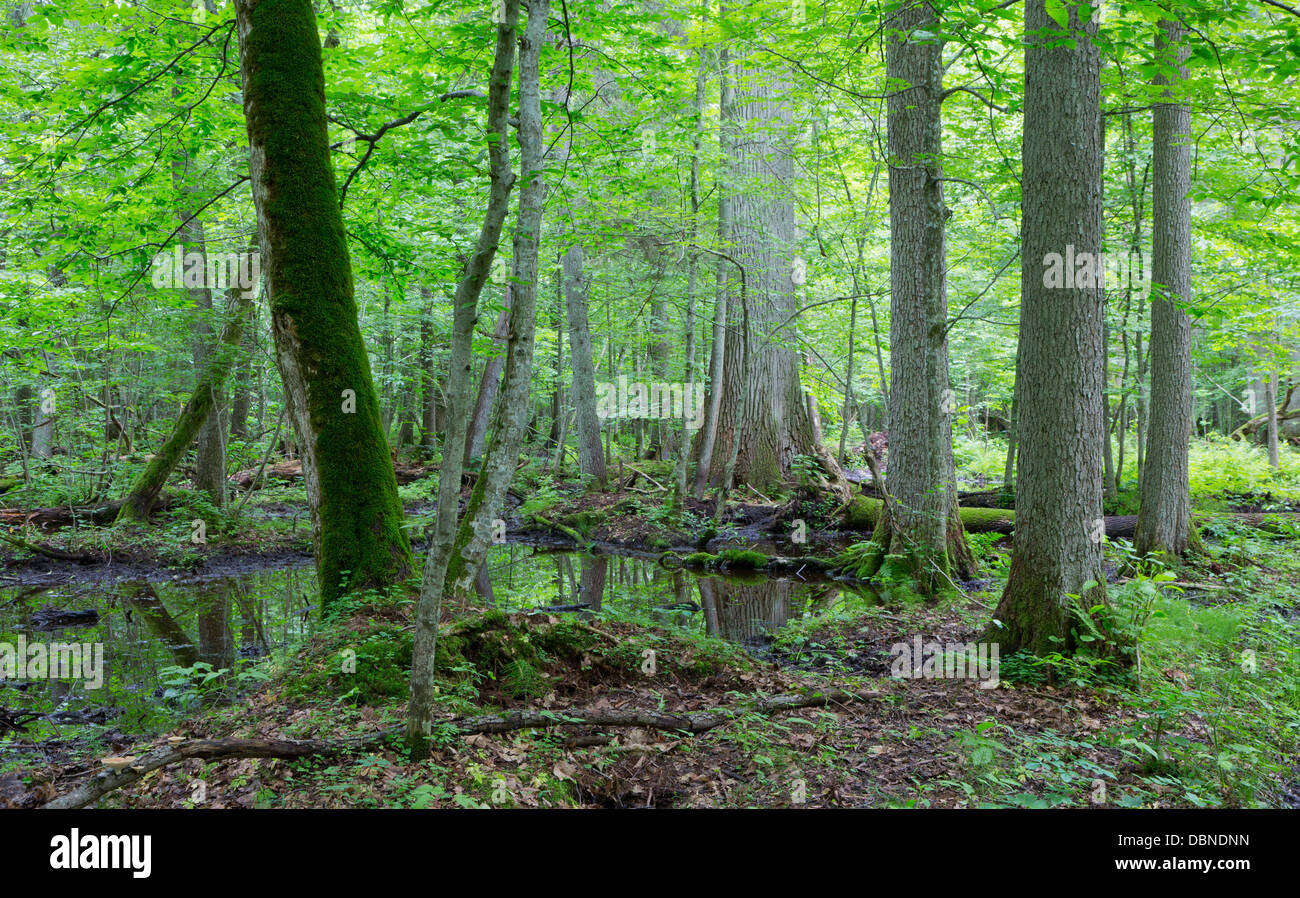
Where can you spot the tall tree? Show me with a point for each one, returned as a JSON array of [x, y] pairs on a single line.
[[329, 393], [922, 512], [707, 441], [419, 722], [217, 361], [487, 499], [1164, 516], [210, 443], [1058, 548], [764, 422]]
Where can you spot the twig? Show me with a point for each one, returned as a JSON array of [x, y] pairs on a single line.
[[223, 749]]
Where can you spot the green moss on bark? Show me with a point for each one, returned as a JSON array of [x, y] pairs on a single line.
[[863, 511], [320, 350]]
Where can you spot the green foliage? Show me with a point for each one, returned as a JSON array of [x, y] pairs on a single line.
[[1219, 466]]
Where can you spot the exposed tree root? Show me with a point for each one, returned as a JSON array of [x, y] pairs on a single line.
[[109, 780]]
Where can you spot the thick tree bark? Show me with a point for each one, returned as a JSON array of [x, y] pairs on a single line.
[[1057, 549], [1164, 518], [763, 421], [329, 392], [465, 309], [921, 478]]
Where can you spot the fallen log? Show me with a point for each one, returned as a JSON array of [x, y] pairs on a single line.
[[861, 513], [173, 751], [290, 471], [67, 515], [568, 531], [285, 472], [991, 498]]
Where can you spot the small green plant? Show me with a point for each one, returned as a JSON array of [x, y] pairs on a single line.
[[188, 686]]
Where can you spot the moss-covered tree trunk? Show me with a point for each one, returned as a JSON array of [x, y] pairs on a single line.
[[465, 309], [329, 393], [198, 410]]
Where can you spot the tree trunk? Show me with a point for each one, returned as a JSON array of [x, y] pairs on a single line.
[[1013, 429], [554, 437], [487, 390], [707, 441], [660, 438], [921, 472], [764, 422], [241, 398], [488, 497], [1108, 486], [591, 459], [429, 392], [692, 273], [198, 409], [329, 392], [1270, 400], [419, 722], [210, 456], [42, 440], [1164, 517], [850, 406], [1058, 495]]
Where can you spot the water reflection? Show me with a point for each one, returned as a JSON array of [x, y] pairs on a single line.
[[145, 631], [149, 630], [742, 608]]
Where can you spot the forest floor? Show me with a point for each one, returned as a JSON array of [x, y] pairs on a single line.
[[1211, 718], [1195, 729]]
